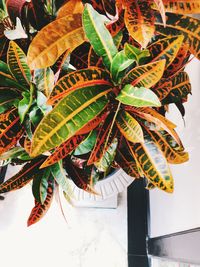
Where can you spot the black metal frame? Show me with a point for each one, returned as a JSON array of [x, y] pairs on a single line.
[[2, 177], [181, 246]]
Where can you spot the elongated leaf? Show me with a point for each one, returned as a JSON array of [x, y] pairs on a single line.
[[104, 7], [176, 88], [129, 127], [54, 39], [187, 26], [15, 8], [139, 20], [25, 103], [26, 174], [44, 80], [79, 177], [71, 7], [138, 97], [40, 185], [179, 62], [107, 159], [118, 25], [133, 52], [61, 178], [98, 35], [172, 151], [101, 140], [6, 78], [153, 164], [120, 62], [17, 62], [146, 75], [39, 209], [78, 79], [161, 8], [68, 117], [94, 60], [182, 6], [10, 130], [8, 97], [87, 144], [79, 57], [91, 125], [126, 161], [63, 150], [166, 48]]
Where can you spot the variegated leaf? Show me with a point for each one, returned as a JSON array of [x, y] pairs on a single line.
[[78, 79], [146, 75], [153, 163], [139, 20], [23, 177], [63, 150], [187, 26], [69, 116], [129, 127], [39, 209], [17, 62], [44, 80], [70, 7], [54, 39], [166, 48], [10, 130], [182, 6], [8, 97]]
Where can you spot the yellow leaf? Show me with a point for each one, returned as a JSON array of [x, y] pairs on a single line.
[[71, 7]]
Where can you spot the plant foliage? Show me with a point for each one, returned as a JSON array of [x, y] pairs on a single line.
[[82, 88]]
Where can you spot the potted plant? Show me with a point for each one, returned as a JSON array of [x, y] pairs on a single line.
[[86, 91]]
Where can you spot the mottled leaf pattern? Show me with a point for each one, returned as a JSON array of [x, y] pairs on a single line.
[[18, 64], [78, 79], [139, 20], [146, 75], [26, 174], [182, 6], [10, 130], [68, 117], [39, 209], [180, 24], [54, 39]]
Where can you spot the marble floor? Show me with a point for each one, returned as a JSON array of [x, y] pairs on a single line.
[[91, 237]]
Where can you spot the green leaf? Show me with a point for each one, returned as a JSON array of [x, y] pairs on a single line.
[[69, 116], [106, 161], [44, 80], [87, 144], [8, 98], [129, 127], [6, 78], [138, 97], [40, 185], [98, 35], [17, 62], [133, 52], [13, 153], [59, 175], [25, 103], [119, 63]]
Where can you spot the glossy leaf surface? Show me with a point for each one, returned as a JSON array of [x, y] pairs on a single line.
[[187, 26], [146, 75], [39, 209], [153, 164], [68, 117], [166, 48], [87, 144], [138, 97], [10, 130], [54, 39], [44, 80], [78, 79], [17, 62], [63, 150], [129, 127], [24, 176], [139, 21], [98, 35], [8, 97]]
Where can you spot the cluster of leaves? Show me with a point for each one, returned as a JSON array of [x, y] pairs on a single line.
[[86, 91]]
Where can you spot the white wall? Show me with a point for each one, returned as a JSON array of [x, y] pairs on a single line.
[[181, 210]]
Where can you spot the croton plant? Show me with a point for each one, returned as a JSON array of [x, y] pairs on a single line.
[[84, 87]]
